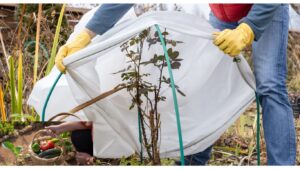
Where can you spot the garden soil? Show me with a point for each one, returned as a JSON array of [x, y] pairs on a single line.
[[7, 157]]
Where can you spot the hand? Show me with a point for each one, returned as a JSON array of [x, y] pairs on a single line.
[[80, 41], [233, 41], [84, 158], [57, 129], [88, 124]]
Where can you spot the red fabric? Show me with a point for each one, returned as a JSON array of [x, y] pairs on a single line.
[[230, 12]]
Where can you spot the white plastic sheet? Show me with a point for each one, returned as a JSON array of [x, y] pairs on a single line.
[[216, 92], [294, 20]]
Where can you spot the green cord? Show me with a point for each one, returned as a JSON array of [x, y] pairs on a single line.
[[29, 43], [48, 97], [174, 94], [257, 129]]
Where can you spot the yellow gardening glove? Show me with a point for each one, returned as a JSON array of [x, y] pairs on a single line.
[[233, 41], [80, 41]]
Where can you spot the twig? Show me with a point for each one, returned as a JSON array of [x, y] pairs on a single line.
[[4, 50]]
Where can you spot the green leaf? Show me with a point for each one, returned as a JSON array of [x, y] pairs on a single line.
[[55, 41], [67, 143], [175, 65], [145, 63], [12, 83], [20, 85], [161, 57], [132, 106], [29, 117], [180, 92], [120, 71], [65, 135], [174, 55], [131, 43], [170, 51], [178, 60], [18, 150], [16, 116], [10, 146], [173, 43]]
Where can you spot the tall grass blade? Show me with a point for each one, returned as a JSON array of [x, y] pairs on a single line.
[[12, 86], [37, 39], [20, 84], [2, 105], [55, 42]]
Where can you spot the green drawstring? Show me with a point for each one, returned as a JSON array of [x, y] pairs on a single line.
[[174, 94], [48, 97]]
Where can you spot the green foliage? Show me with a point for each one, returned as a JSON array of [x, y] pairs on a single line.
[[134, 160], [12, 86], [6, 128], [16, 95], [130, 161], [16, 150], [65, 135], [25, 117], [167, 162], [66, 142]]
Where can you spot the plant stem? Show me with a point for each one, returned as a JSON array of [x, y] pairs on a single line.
[[37, 39], [20, 84], [55, 40], [12, 86], [2, 105]]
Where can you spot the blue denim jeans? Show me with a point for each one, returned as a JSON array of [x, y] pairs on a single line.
[[270, 69], [200, 158]]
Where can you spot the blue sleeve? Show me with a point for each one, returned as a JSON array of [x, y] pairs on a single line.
[[106, 17], [259, 17]]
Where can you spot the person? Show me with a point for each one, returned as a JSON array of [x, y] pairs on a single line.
[[265, 27], [79, 130]]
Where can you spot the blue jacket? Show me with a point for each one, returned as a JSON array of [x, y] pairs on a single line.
[[108, 15]]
